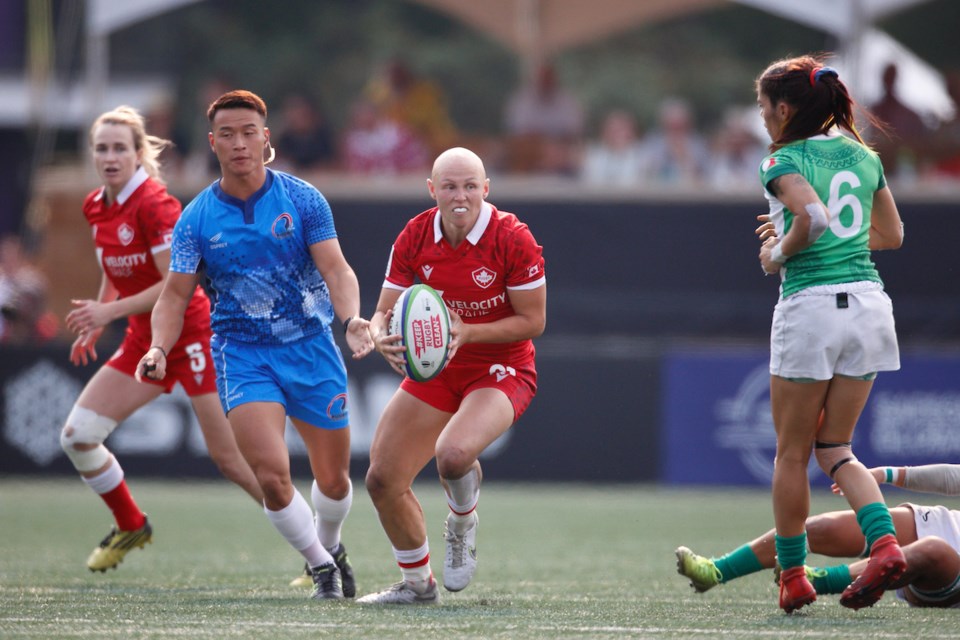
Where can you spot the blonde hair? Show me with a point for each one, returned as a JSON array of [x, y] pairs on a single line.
[[150, 146]]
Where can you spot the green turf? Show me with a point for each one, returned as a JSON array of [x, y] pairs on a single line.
[[555, 562]]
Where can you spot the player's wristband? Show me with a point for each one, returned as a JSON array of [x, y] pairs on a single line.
[[160, 349], [889, 475], [346, 324], [776, 254]]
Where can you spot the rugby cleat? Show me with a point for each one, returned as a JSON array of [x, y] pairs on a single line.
[[326, 582], [812, 573], [303, 580], [885, 567], [403, 593], [115, 546], [460, 562], [346, 571], [347, 580], [795, 589], [703, 573]]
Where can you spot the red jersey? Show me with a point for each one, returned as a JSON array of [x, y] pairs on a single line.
[[499, 254], [127, 233]]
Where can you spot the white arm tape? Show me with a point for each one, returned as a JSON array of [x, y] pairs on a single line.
[[818, 220], [933, 478]]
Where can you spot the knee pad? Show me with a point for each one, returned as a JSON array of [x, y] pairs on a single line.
[[833, 455], [86, 427]]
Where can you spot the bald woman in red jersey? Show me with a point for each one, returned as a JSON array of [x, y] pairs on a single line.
[[490, 271]]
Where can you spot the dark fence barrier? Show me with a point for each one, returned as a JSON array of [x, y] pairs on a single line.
[[628, 283]]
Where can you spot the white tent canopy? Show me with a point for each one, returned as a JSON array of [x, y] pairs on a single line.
[[536, 28], [864, 51]]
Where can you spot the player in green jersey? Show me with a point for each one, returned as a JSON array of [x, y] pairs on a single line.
[[833, 326]]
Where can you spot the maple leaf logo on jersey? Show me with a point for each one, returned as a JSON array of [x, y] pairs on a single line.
[[484, 277], [427, 270], [125, 234], [768, 164]]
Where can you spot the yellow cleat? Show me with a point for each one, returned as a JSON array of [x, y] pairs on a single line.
[[703, 574], [115, 546], [304, 580]]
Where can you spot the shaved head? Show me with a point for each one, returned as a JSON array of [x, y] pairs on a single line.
[[461, 159]]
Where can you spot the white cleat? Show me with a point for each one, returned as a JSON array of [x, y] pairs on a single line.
[[403, 593], [460, 563]]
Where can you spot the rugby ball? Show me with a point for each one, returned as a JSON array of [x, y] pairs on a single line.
[[421, 318]]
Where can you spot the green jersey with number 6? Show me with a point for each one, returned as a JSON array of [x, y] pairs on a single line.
[[845, 174]]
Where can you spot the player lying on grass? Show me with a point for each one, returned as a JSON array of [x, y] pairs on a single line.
[[929, 536]]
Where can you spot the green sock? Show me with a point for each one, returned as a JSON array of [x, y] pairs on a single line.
[[740, 562], [831, 579], [791, 551], [875, 521]]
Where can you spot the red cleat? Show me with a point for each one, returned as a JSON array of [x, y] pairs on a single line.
[[795, 590], [886, 566]]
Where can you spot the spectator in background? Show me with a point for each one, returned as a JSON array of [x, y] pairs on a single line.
[[737, 152], [544, 123], [414, 103], [305, 142], [901, 146], [161, 120], [945, 145], [375, 144], [191, 135], [617, 157], [23, 297], [677, 154]]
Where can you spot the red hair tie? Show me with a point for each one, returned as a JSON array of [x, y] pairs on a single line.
[[813, 76]]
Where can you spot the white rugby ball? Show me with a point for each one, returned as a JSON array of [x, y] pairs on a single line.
[[421, 318]]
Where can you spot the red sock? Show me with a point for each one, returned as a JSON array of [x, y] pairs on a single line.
[[125, 510]]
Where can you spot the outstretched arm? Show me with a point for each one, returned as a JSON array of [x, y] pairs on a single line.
[[166, 323]]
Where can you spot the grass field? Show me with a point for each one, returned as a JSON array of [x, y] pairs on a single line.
[[555, 562]]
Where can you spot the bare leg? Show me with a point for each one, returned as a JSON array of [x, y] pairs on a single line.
[[222, 445], [404, 443]]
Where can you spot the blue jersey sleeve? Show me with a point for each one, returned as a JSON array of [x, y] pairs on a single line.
[[185, 253], [314, 211]]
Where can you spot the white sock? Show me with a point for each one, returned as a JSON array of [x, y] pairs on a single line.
[[330, 515], [106, 481], [415, 567], [295, 524], [462, 497]]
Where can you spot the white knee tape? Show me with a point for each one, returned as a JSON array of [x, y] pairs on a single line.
[[86, 427]]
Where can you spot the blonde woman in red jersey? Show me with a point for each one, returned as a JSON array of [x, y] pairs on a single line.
[[490, 271], [132, 218]]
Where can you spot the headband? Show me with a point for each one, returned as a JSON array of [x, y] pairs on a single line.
[[816, 72]]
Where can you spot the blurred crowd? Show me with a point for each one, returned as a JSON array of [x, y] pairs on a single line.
[[24, 316], [401, 120]]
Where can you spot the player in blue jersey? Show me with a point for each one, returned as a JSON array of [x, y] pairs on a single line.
[[266, 242]]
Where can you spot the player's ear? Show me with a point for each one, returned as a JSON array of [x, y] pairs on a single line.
[[433, 193]]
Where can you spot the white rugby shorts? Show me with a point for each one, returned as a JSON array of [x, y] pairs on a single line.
[[834, 329]]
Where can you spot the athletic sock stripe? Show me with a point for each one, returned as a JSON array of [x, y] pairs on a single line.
[[414, 565]]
